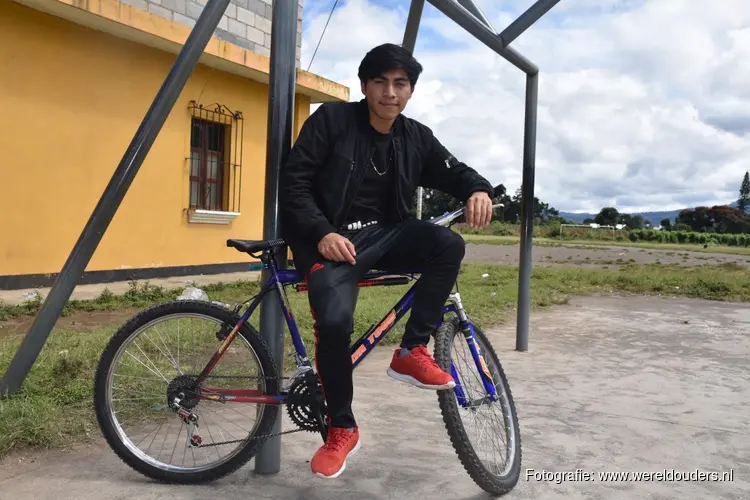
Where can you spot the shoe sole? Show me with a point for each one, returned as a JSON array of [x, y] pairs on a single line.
[[416, 383], [343, 466]]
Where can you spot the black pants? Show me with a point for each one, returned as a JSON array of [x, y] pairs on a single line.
[[410, 246]]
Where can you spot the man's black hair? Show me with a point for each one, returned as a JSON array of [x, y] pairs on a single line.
[[388, 57]]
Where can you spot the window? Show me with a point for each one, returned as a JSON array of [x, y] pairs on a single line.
[[215, 152], [207, 156]]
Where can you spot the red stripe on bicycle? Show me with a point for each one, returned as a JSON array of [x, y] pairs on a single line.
[[317, 340]]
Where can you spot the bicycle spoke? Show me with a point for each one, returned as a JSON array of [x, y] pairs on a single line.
[[486, 441]]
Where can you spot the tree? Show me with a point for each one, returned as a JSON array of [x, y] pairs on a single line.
[[717, 219], [607, 216], [635, 222], [631, 221], [666, 224], [743, 202]]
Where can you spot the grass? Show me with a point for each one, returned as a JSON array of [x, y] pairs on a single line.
[[54, 407], [514, 240]]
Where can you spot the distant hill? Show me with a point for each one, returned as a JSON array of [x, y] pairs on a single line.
[[654, 218]]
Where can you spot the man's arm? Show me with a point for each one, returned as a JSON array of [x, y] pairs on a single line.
[[300, 212], [444, 172]]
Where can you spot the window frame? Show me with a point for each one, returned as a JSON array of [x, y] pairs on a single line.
[[214, 159]]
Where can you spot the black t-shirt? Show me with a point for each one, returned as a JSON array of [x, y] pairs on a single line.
[[373, 199]]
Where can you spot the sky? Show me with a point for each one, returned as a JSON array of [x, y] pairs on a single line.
[[643, 105]]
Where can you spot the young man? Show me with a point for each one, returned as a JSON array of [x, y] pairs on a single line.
[[345, 194]]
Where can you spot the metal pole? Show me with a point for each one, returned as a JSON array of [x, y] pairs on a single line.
[[113, 195], [282, 80], [525, 20], [474, 26], [412, 24], [410, 40], [527, 222]]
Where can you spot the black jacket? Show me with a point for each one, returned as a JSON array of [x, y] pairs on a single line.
[[322, 172]]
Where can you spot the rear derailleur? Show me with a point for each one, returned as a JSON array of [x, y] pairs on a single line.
[[182, 399]]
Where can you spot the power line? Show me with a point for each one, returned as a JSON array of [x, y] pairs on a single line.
[[321, 35]]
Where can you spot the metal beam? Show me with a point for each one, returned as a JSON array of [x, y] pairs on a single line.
[[525, 20], [475, 27], [113, 195], [527, 213], [278, 143], [476, 12], [410, 40]]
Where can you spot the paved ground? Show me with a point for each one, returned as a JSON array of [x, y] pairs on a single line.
[[609, 385]]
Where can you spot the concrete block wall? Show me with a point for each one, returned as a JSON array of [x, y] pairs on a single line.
[[246, 23]]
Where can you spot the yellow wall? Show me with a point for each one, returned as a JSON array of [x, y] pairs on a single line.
[[71, 100]]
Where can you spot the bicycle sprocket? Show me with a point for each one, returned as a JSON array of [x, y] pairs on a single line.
[[305, 402]]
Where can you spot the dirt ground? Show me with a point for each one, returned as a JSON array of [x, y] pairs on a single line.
[[79, 321], [609, 384], [597, 256]]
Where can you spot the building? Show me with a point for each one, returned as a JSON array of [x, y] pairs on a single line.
[[76, 80]]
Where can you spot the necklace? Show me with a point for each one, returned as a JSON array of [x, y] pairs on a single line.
[[390, 160]]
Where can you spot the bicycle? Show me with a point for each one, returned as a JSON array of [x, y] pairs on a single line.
[[301, 394]]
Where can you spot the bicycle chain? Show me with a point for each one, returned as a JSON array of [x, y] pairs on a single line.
[[254, 438]]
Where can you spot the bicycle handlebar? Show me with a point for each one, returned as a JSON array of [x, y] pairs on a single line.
[[446, 219]]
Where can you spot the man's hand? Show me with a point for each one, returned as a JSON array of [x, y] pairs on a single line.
[[335, 247], [478, 209]]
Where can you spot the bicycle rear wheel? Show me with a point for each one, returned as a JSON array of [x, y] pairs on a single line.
[[153, 360], [470, 398]]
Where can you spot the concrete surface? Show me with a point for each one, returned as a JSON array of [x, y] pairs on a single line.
[[610, 384]]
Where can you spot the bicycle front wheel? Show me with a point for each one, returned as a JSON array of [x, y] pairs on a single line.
[[486, 428], [156, 416]]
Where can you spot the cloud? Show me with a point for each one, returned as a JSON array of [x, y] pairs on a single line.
[[643, 105]]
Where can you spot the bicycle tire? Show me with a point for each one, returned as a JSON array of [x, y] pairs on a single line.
[[102, 406], [448, 403]]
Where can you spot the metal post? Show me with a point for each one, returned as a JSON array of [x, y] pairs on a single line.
[[282, 80], [412, 24], [466, 14], [410, 40], [526, 19], [527, 222], [113, 195]]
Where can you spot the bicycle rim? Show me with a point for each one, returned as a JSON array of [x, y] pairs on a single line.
[[146, 348], [484, 433]]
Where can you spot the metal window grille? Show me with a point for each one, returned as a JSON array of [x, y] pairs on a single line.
[[216, 136]]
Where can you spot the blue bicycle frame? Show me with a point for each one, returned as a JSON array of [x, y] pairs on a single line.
[[282, 278]]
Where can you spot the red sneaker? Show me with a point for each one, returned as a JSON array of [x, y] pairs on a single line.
[[419, 369], [330, 459]]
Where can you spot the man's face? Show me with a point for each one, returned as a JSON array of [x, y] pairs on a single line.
[[388, 94]]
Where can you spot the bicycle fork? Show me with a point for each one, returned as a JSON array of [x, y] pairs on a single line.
[[467, 329]]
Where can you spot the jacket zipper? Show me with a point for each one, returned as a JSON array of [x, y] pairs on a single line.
[[356, 188], [397, 176]]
